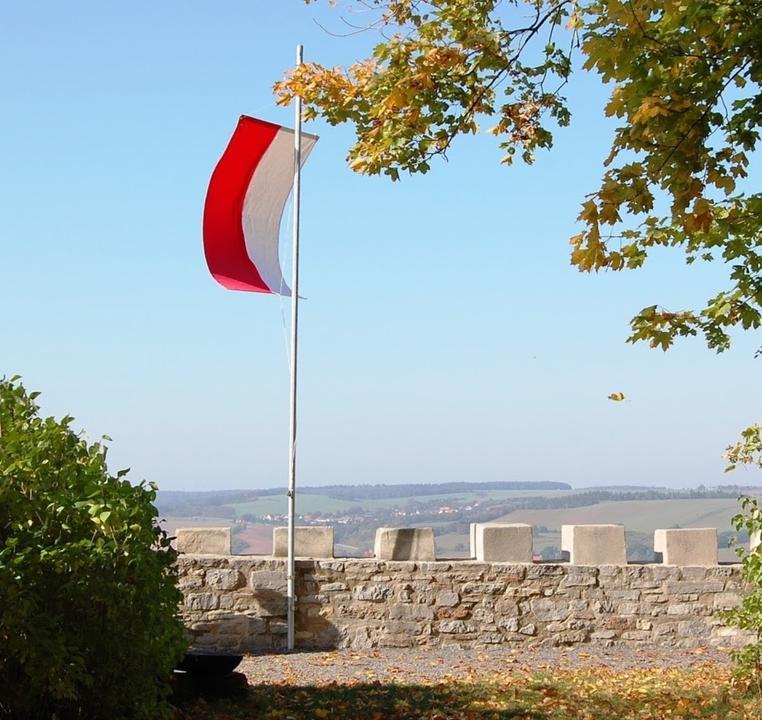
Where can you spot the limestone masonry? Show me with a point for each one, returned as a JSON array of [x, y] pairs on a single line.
[[312, 542], [238, 603], [203, 541]]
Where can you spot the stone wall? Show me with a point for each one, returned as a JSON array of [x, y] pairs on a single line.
[[238, 603]]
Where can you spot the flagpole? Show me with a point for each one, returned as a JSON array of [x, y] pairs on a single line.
[[294, 347]]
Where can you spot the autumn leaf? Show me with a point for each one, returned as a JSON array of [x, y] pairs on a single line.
[[492, 691]]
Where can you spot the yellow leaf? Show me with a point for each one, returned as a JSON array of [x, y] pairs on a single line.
[[616, 396], [609, 214], [395, 100], [589, 211], [359, 164]]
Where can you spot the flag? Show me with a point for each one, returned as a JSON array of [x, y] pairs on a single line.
[[244, 204]]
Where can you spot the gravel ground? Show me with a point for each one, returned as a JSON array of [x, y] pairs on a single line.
[[429, 665]]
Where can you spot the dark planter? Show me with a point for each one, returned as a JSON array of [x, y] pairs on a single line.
[[209, 665]]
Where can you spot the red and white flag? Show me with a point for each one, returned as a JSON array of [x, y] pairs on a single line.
[[244, 204]]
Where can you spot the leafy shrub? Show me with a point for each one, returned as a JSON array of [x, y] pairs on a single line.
[[748, 615], [89, 624]]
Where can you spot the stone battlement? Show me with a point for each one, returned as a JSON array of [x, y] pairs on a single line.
[[490, 542], [238, 603]]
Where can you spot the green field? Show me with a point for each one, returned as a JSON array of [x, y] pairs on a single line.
[[277, 505], [638, 515], [312, 503], [460, 498]]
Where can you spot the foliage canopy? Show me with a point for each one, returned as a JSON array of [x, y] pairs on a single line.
[[89, 623], [685, 89]]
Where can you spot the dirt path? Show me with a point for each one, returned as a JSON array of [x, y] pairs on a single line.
[[433, 665]]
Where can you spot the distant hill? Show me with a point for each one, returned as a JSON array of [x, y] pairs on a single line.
[[374, 492], [172, 500]]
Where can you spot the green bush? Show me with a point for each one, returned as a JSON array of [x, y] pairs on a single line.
[[748, 615], [89, 624]]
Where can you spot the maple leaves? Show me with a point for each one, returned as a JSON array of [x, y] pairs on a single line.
[[673, 65], [435, 73], [707, 691], [746, 451], [685, 78]]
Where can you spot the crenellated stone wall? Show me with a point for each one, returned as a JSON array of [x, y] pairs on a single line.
[[238, 603]]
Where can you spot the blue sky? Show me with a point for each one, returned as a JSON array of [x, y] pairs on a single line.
[[445, 335]]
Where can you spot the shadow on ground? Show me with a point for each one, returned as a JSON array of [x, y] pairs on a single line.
[[187, 688], [700, 693], [227, 699]]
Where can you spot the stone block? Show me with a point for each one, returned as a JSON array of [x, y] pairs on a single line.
[[411, 612], [447, 598], [472, 528], [221, 579], [202, 601], [371, 593], [452, 626], [503, 542], [404, 544], [755, 541], [594, 544], [726, 600], [203, 541], [687, 546], [550, 609], [310, 542], [269, 581], [603, 635]]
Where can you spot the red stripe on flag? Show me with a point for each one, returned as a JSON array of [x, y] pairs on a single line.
[[224, 242]]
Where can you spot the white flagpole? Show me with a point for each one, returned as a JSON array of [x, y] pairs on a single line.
[[294, 328]]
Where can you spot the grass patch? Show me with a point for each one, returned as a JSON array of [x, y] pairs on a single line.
[[594, 694]]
